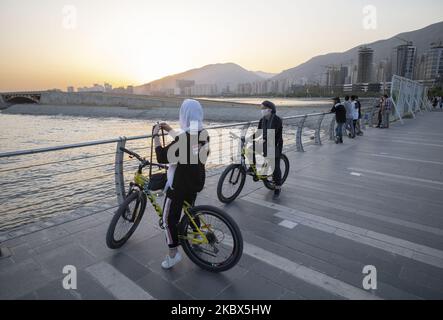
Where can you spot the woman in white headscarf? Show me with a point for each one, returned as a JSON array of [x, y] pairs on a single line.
[[186, 174]]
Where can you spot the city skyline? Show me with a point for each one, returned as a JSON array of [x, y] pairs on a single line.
[[105, 42]]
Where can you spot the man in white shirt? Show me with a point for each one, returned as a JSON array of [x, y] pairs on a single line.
[[349, 117], [355, 114]]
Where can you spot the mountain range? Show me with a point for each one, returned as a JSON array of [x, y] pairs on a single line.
[[222, 74], [383, 49]]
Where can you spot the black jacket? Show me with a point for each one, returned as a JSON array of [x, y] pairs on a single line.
[[359, 109], [340, 113], [190, 175], [275, 123]]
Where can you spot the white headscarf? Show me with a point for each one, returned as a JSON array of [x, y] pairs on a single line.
[[191, 119], [191, 115]]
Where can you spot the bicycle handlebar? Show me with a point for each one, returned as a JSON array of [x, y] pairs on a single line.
[[132, 153], [142, 160]]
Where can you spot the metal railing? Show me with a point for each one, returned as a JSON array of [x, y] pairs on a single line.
[[36, 190]]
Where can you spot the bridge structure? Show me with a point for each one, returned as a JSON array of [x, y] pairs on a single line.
[[101, 99], [370, 205], [21, 97]]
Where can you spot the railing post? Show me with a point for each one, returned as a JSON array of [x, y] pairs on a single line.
[[317, 130], [119, 178], [332, 129], [298, 139]]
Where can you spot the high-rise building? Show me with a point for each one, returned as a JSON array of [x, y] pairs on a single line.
[[434, 62], [420, 69], [344, 71], [380, 71], [365, 65], [404, 60], [182, 84], [70, 89]]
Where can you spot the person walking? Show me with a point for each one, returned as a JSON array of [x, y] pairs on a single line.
[[380, 111], [349, 117], [387, 107], [434, 102], [340, 119], [355, 115]]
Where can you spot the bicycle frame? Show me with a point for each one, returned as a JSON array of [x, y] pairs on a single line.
[[253, 166], [140, 181]]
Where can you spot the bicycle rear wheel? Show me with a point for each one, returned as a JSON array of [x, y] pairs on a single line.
[[284, 167], [231, 183], [225, 243], [126, 219]]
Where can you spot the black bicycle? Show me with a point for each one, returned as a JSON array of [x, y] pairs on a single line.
[[208, 235], [233, 178]]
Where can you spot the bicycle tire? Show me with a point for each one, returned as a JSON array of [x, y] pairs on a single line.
[[192, 251], [225, 173], [138, 196], [269, 184]]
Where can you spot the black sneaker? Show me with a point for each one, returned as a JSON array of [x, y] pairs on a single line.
[[276, 194]]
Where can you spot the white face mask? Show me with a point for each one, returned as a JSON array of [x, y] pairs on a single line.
[[266, 112]]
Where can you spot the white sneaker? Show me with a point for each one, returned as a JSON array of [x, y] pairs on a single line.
[[170, 262]]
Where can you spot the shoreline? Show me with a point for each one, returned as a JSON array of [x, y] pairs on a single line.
[[221, 113]]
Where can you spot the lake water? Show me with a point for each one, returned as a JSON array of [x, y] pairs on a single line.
[[284, 102], [44, 185]]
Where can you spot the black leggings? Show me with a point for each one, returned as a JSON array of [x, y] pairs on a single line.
[[172, 211]]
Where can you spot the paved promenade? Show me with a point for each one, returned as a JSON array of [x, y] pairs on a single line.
[[376, 200]]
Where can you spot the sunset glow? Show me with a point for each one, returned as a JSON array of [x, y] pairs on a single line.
[[134, 42]]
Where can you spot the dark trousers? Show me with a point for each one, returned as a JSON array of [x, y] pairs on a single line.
[[339, 130], [350, 127], [386, 119], [277, 171], [172, 211], [380, 118]]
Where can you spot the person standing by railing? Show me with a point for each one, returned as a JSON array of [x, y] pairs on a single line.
[[358, 130], [355, 114], [270, 120], [349, 117], [387, 107], [340, 119], [380, 112]]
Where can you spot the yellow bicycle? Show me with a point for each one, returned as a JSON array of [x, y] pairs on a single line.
[[208, 235], [233, 178]]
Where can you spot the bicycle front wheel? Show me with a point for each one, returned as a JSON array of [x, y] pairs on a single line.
[[224, 245], [231, 183], [126, 219]]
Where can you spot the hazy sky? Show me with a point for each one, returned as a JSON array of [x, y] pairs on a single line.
[[43, 45]]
